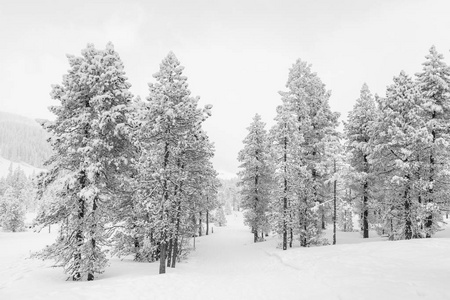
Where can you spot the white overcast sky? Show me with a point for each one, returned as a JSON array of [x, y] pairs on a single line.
[[236, 53]]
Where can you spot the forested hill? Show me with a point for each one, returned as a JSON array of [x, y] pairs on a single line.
[[23, 140]]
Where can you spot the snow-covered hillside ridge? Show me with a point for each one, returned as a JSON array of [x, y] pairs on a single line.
[[6, 164], [23, 140], [228, 265]]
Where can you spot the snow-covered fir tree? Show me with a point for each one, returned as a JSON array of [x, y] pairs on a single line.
[[307, 101], [89, 139], [219, 217], [174, 161], [12, 211], [255, 177], [337, 171], [311, 101], [434, 84], [398, 154], [22, 187], [287, 203], [211, 197], [359, 133]]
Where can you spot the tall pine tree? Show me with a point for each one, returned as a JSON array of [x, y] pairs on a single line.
[[255, 177], [434, 84], [359, 132], [400, 144], [308, 100], [89, 139], [174, 157]]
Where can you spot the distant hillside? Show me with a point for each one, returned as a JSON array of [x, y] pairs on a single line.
[[5, 164], [23, 140]]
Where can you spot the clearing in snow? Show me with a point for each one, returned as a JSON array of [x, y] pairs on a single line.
[[228, 265]]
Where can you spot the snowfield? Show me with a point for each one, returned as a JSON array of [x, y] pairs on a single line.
[[227, 265]]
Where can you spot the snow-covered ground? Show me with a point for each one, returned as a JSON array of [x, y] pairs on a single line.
[[227, 265]]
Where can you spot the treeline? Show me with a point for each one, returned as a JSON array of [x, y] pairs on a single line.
[[130, 175], [391, 165], [23, 140], [228, 195]]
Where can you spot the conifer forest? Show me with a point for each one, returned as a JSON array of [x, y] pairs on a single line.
[[120, 194]]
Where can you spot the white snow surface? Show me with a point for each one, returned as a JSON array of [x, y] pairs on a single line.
[[228, 265]]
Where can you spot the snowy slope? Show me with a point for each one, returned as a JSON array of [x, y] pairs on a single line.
[[28, 169], [227, 265]]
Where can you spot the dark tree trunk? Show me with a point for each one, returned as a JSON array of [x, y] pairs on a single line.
[[255, 227], [177, 233], [365, 212], [194, 223], [207, 222], [408, 223], [137, 256], [391, 237], [163, 245], [303, 241], [323, 219], [174, 251], [177, 229], [334, 206], [429, 219], [291, 238], [365, 203], [285, 196], [162, 257], [169, 253], [200, 224], [79, 235], [90, 276], [407, 205], [154, 254]]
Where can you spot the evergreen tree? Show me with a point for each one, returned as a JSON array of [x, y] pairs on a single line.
[[174, 160], [3, 186], [434, 84], [289, 173], [337, 170], [307, 101], [220, 219], [89, 139], [359, 133], [255, 177], [400, 145], [12, 212]]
